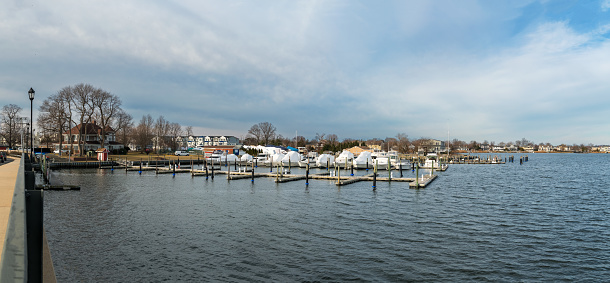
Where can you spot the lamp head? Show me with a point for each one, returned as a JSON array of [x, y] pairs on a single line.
[[31, 93]]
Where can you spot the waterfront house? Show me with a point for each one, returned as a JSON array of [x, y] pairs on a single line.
[[432, 145], [356, 150], [91, 138]]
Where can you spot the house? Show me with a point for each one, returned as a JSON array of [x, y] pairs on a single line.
[[356, 150], [91, 137], [432, 145]]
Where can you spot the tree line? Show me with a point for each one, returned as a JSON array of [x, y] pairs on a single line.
[[82, 104], [265, 133]]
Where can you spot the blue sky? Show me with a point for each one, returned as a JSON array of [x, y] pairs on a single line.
[[480, 70]]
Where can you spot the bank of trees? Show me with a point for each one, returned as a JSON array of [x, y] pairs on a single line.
[[82, 104], [160, 135], [12, 126]]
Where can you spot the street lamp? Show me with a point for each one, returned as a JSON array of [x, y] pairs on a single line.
[[31, 94]]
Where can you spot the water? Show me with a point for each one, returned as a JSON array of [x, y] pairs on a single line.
[[546, 220]]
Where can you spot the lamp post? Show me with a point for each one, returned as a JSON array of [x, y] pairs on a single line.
[[31, 94]]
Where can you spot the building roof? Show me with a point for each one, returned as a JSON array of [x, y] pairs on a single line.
[[88, 129]]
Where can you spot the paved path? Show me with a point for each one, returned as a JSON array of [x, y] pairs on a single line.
[[8, 177]]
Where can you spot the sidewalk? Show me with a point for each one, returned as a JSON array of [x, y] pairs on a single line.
[[8, 177]]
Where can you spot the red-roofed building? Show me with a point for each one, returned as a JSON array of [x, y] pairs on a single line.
[[91, 138]]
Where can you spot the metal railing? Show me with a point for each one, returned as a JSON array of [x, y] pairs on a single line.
[[22, 253]]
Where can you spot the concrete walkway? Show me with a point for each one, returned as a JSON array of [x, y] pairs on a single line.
[[8, 177]]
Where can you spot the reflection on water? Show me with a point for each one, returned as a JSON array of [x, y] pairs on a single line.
[[544, 220]]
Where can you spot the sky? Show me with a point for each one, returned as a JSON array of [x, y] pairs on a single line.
[[468, 70]]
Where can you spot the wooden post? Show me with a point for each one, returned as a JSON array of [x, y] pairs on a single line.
[[307, 174], [339, 173], [375, 175], [140, 166], [400, 167], [417, 174], [389, 170]]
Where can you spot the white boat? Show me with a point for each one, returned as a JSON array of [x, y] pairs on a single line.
[[275, 159], [292, 158], [260, 159], [363, 161], [228, 159], [246, 159], [325, 161], [309, 159], [345, 159], [214, 158], [432, 162]]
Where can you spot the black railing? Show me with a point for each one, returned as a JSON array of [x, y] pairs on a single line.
[[22, 253]]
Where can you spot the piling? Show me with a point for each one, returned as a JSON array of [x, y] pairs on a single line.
[[375, 176], [389, 170], [253, 173], [140, 172], [174, 173], [417, 175], [400, 168], [212, 170], [307, 175], [339, 173]]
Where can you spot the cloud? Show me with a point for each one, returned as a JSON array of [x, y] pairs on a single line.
[[605, 5], [356, 69]]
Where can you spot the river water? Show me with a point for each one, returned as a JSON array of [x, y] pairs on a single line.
[[545, 220]]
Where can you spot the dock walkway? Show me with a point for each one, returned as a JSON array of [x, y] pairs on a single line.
[[8, 178]]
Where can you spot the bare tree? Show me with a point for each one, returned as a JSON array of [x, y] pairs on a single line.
[[263, 132], [82, 99], [106, 108], [402, 143], [175, 131], [122, 125], [256, 133], [332, 139], [10, 117], [53, 119], [161, 129], [144, 132]]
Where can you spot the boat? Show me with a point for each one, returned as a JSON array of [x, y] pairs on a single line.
[[260, 159], [325, 161], [344, 159], [246, 159], [363, 161], [292, 158], [432, 162], [228, 159], [275, 159], [309, 159], [214, 158]]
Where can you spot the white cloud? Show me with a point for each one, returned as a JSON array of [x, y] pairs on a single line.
[[605, 5]]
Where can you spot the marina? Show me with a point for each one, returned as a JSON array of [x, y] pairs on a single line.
[[540, 221]]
